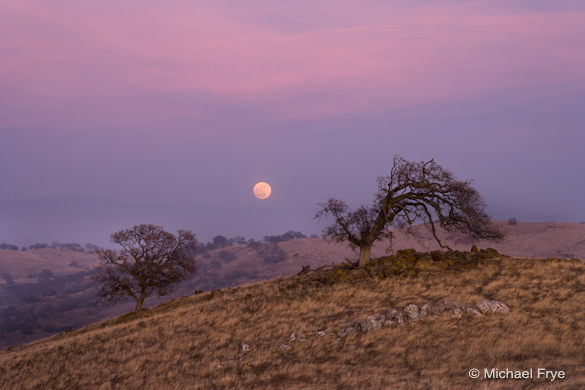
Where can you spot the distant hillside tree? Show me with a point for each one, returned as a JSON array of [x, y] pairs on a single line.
[[9, 247], [151, 261], [226, 256], [290, 235], [38, 246], [414, 192]]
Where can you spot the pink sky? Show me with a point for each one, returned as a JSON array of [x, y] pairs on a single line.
[[204, 98], [320, 59]]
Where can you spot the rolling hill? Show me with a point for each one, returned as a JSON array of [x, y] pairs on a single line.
[[288, 332], [32, 308]]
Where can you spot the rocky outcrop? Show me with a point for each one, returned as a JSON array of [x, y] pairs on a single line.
[[453, 308], [413, 313], [492, 307]]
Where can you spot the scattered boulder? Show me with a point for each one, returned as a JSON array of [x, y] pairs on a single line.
[[487, 306], [292, 337], [425, 311], [471, 310], [245, 348], [284, 347], [369, 324], [347, 331], [321, 333], [412, 312], [393, 316], [454, 308]]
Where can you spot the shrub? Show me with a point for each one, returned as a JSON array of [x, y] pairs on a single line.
[[38, 245], [226, 256], [290, 235], [271, 253]]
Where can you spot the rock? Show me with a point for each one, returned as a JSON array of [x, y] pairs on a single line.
[[492, 252], [391, 317], [471, 310], [284, 347], [369, 324], [487, 306], [454, 308], [347, 331], [244, 348], [424, 311], [412, 312]]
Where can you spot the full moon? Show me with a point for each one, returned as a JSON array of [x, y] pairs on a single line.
[[262, 190]]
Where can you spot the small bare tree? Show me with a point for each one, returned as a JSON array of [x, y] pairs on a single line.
[[151, 261], [414, 192]]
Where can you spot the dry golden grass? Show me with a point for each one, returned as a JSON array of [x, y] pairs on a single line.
[[59, 261], [193, 342]]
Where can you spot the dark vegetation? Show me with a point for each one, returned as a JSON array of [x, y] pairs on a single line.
[[89, 247], [222, 241], [267, 249], [41, 307], [405, 263]]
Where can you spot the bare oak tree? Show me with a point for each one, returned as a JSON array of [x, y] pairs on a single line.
[[414, 192], [151, 261]]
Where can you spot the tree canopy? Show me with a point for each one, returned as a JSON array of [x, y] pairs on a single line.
[[413, 192], [151, 261]]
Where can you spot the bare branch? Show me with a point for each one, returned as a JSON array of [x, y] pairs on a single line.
[[414, 192], [151, 261]]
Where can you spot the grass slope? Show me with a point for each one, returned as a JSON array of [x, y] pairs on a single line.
[[21, 264], [194, 342]]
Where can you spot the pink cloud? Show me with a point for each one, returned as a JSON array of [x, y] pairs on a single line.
[[330, 58]]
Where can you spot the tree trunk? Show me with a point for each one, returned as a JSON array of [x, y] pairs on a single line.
[[139, 303], [364, 256]]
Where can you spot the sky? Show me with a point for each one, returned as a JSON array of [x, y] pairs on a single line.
[[142, 111]]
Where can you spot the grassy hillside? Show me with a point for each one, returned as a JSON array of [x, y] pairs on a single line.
[[32, 307], [24, 266], [196, 341]]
